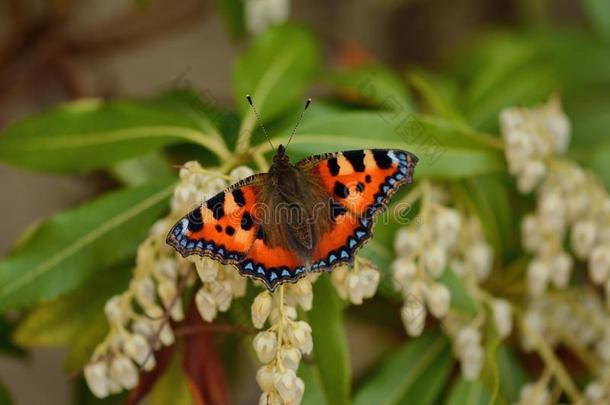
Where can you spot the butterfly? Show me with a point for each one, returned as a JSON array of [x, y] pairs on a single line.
[[297, 218]]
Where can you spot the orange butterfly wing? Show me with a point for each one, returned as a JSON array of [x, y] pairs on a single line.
[[360, 182], [226, 228]]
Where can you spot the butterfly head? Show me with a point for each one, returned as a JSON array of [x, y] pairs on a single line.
[[281, 158]]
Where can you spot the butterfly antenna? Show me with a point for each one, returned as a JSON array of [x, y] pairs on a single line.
[[258, 118], [298, 121]]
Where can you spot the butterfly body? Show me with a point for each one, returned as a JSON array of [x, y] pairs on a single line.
[[308, 216]]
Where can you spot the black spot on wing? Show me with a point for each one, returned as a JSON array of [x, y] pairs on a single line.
[[340, 190], [368, 178], [336, 210], [246, 221], [230, 230], [216, 205], [218, 228], [382, 159], [195, 220], [356, 159], [239, 198], [360, 187], [260, 234], [333, 166]]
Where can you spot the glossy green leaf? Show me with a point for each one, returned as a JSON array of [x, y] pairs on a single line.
[[487, 196], [171, 388], [90, 134], [373, 84], [511, 372], [75, 320], [598, 12], [330, 342], [275, 71], [414, 374], [314, 390], [232, 12], [5, 396], [461, 300], [444, 149], [69, 247], [468, 393]]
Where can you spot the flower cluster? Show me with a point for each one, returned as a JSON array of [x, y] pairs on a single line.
[[281, 347], [139, 317], [357, 283], [446, 240], [571, 203]]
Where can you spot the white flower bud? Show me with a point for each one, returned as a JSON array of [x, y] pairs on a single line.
[[578, 204], [471, 361], [467, 337], [519, 150], [206, 305], [436, 260], [167, 268], [403, 270], [290, 358], [97, 379], [145, 292], [530, 233], [583, 237], [114, 310], [286, 385], [355, 288], [123, 371], [406, 241], [438, 298], [207, 269], [533, 172], [503, 317], [552, 212], [532, 394], [599, 264], [595, 391], [303, 292], [479, 256], [269, 398], [338, 278], [240, 173], [143, 326], [265, 346], [137, 348], [169, 296], [370, 280], [413, 314], [261, 308], [265, 377], [562, 268], [222, 293], [299, 334], [447, 226], [538, 273]]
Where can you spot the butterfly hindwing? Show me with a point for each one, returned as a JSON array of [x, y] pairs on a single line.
[[361, 182], [223, 228]]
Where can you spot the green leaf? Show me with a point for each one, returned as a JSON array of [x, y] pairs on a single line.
[[275, 71], [314, 391], [445, 150], [90, 134], [461, 300], [468, 393], [5, 396], [374, 84], [487, 196], [414, 374], [512, 375], [439, 93], [598, 12], [69, 247], [140, 170], [75, 320], [232, 12], [330, 343], [171, 388]]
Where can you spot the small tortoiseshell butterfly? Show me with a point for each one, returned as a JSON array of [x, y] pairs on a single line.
[[310, 216]]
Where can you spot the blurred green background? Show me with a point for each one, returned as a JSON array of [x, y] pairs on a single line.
[[455, 64]]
